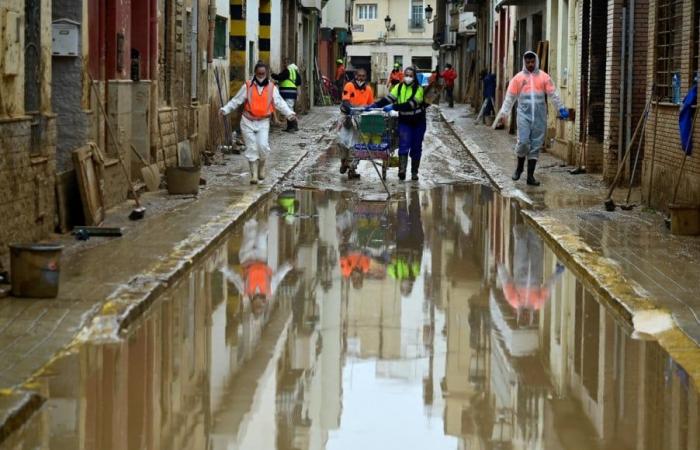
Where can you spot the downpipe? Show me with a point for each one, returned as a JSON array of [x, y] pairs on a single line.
[[212, 31]]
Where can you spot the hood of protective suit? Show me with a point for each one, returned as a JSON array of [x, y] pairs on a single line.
[[537, 61], [294, 66]]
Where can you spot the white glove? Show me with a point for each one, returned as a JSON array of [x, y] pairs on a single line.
[[222, 112]]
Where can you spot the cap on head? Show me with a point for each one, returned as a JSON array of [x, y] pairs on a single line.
[[339, 61], [397, 65]]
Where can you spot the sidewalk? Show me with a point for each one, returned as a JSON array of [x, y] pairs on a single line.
[[631, 255], [107, 282]]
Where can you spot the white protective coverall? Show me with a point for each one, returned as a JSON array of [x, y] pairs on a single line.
[[256, 132], [531, 90]]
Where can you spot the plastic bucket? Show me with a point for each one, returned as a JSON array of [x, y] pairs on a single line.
[[35, 269], [182, 180]]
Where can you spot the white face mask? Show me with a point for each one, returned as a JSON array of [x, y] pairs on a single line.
[[408, 80], [360, 83], [260, 80]]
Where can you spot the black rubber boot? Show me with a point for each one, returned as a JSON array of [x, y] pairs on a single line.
[[343, 166], [352, 174], [531, 164], [403, 162], [519, 169], [415, 165]]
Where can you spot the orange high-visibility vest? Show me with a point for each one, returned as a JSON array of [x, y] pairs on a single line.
[[258, 279], [258, 105]]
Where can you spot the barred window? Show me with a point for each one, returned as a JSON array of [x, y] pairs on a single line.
[[696, 38], [669, 25]]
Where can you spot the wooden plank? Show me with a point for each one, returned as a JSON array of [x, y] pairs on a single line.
[[88, 183]]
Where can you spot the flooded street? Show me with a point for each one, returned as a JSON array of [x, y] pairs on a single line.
[[436, 320]]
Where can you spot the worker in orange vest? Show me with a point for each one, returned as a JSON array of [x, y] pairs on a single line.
[[356, 94], [340, 76], [259, 98], [395, 77], [259, 281]]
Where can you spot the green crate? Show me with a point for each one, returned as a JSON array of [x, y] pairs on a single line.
[[372, 124]]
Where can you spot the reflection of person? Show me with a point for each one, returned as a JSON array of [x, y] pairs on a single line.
[[260, 99], [405, 264], [530, 87], [356, 94], [258, 282], [525, 290]]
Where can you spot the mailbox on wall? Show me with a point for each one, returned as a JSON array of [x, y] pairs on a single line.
[[65, 38]]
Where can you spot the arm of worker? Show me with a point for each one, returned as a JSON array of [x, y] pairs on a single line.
[[282, 106], [235, 279], [235, 102], [278, 276], [504, 112], [281, 76], [553, 94]]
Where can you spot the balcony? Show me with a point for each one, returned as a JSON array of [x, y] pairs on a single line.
[[313, 4], [416, 24]]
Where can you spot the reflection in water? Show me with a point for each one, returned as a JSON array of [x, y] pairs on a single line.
[[437, 321]]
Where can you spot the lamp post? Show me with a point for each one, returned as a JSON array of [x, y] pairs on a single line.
[[429, 14], [388, 25]]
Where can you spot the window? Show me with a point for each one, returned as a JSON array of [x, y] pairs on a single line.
[[416, 20], [669, 21], [696, 37], [423, 63], [367, 11], [220, 37]]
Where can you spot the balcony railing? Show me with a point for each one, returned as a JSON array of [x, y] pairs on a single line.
[[416, 24]]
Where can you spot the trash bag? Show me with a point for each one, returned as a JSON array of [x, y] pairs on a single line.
[[347, 136]]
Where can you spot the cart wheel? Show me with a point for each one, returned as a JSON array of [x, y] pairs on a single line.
[[384, 167]]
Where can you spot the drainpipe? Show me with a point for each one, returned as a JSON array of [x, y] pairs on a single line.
[[621, 133], [630, 74], [212, 31], [194, 46]]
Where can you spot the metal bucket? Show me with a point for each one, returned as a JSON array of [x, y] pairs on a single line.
[[35, 269], [182, 180]]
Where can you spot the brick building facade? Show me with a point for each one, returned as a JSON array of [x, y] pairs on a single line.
[[661, 171]]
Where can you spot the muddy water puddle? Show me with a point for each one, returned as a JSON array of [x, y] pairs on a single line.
[[435, 321]]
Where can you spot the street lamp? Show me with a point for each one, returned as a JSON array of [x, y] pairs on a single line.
[[429, 14], [388, 25]]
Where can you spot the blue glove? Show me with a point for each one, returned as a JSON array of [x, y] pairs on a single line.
[[388, 108], [368, 108], [564, 113]]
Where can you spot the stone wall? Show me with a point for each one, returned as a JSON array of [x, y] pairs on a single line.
[[27, 178]]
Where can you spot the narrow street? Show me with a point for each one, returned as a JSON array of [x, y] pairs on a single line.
[[393, 324]]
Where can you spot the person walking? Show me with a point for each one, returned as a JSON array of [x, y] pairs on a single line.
[[488, 81], [339, 77], [407, 98], [449, 75], [289, 82], [530, 87], [395, 77], [259, 98], [356, 94]]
